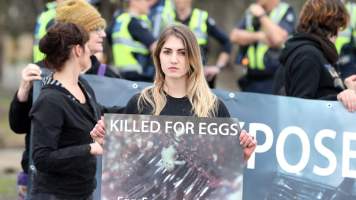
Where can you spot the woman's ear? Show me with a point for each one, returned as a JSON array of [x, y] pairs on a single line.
[[77, 50]]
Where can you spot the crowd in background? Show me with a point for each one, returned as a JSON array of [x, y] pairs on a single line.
[[311, 57]]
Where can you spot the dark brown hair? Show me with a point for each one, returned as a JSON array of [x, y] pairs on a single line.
[[59, 41], [323, 17]]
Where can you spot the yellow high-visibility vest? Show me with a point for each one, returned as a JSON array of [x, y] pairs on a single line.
[[168, 14], [256, 53], [40, 30], [345, 36], [198, 25], [124, 45]]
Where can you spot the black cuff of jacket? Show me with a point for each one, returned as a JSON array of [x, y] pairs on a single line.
[[20, 104]]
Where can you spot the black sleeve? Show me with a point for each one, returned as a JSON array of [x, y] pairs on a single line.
[[132, 107], [18, 114], [47, 119], [222, 110], [219, 35], [289, 20], [303, 77], [140, 33]]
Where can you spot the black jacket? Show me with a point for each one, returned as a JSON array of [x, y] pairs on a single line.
[[20, 123], [18, 115], [61, 138], [308, 69]]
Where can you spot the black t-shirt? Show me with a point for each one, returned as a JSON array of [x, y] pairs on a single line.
[[173, 107]]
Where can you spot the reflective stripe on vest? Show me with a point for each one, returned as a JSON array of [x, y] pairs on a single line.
[[344, 37], [40, 29], [256, 52], [198, 24], [168, 13], [124, 45]]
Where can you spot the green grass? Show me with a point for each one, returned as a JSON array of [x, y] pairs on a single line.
[[7, 139], [8, 187]]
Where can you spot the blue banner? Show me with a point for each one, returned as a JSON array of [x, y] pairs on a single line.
[[306, 148]]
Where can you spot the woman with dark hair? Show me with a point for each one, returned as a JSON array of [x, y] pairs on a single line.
[[82, 14], [309, 58], [62, 118]]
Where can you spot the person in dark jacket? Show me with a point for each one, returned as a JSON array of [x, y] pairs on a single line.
[[309, 58], [83, 14], [62, 118]]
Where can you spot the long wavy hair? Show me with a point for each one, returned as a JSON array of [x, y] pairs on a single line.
[[204, 102]]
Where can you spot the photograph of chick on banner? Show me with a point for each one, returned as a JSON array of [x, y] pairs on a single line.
[[306, 148], [171, 157]]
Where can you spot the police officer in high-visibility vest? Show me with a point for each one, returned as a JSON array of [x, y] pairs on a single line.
[[133, 42], [260, 35], [346, 44], [203, 26], [44, 21], [161, 12]]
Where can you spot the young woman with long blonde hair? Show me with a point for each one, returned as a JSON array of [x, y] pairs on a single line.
[[179, 89], [179, 76]]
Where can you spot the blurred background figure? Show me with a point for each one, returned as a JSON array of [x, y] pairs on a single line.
[[204, 26], [133, 42], [161, 14], [261, 35], [346, 45], [309, 58], [44, 21], [82, 13]]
